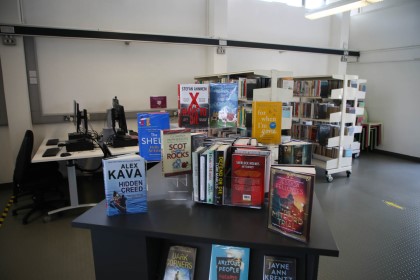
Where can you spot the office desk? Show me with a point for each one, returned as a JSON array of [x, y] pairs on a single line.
[[71, 171], [123, 150]]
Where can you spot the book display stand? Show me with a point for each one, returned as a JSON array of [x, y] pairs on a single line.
[[136, 246]]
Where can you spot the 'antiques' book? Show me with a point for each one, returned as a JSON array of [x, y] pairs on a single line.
[[180, 263], [149, 127], [125, 184], [266, 121], [223, 105], [193, 105], [290, 200], [229, 262], [176, 151], [279, 268]]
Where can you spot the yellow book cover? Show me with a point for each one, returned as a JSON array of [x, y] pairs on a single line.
[[266, 121]]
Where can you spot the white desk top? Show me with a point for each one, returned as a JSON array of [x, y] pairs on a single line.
[[97, 152], [123, 150]]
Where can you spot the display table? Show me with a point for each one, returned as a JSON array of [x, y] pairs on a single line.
[[135, 246]]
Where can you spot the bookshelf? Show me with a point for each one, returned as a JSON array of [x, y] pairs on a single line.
[[136, 246], [334, 94], [270, 90]]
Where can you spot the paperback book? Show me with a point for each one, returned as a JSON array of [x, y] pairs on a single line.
[[290, 200], [295, 152], [125, 185], [229, 262], [176, 151], [193, 105], [266, 121], [149, 127], [223, 105], [180, 263], [279, 268]]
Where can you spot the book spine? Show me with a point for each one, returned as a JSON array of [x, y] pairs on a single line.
[[203, 172], [219, 177], [195, 175], [210, 176]]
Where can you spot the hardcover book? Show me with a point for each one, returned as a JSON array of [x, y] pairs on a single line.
[[125, 185], [176, 151], [295, 152], [266, 121], [248, 179], [279, 268], [157, 102], [229, 262], [223, 105], [196, 172], [149, 127], [180, 263], [193, 105], [290, 200], [222, 163]]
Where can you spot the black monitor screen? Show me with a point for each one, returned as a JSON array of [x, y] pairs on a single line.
[[118, 116]]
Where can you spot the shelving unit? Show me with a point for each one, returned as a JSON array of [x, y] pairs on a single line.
[[270, 93], [343, 163], [136, 246]]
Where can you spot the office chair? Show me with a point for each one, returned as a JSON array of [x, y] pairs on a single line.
[[40, 180]]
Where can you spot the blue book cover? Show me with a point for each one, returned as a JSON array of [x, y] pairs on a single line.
[[149, 127], [223, 105], [229, 262], [125, 185]]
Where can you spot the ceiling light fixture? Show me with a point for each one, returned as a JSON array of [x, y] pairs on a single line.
[[339, 7]]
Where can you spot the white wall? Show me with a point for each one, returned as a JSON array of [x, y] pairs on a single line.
[[389, 40], [93, 71]]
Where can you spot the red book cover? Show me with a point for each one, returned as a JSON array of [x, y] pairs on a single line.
[[193, 105], [247, 182], [157, 102], [290, 201]]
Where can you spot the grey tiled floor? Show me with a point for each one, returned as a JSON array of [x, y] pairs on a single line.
[[374, 216]]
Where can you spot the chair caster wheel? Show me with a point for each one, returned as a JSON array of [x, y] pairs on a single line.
[[348, 173], [47, 219], [329, 178]]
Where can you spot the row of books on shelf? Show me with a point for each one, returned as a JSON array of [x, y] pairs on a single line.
[[317, 110], [319, 133], [215, 105], [226, 262], [315, 88], [234, 172]]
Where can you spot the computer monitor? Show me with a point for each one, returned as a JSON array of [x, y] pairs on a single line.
[[118, 116], [78, 117]]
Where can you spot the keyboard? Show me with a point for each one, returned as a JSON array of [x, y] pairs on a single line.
[[51, 152], [52, 142]]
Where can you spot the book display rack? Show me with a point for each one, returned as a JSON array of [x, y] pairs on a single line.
[[137, 246]]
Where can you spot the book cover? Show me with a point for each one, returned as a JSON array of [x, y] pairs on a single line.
[[210, 172], [193, 102], [248, 179], [176, 151], [149, 127], [295, 152], [229, 262], [290, 200], [180, 263], [223, 105], [279, 268], [157, 102], [266, 121], [125, 185]]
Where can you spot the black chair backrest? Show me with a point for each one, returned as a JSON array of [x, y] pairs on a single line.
[[23, 160]]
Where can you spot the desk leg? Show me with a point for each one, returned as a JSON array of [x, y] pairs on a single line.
[[74, 198]]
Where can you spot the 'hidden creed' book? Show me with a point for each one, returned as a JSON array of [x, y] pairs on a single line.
[[290, 200], [229, 262], [125, 185], [176, 151], [180, 263]]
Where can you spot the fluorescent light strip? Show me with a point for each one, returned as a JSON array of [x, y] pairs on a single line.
[[340, 7]]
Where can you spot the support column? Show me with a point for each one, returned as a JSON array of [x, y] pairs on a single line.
[[217, 28]]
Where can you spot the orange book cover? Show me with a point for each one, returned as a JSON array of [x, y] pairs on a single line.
[[266, 121]]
